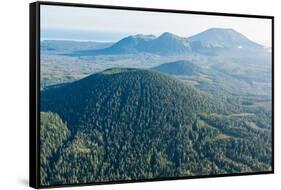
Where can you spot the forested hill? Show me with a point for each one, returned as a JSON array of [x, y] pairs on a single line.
[[181, 67], [128, 124], [125, 95]]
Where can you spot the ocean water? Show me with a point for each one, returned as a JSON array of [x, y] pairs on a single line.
[[80, 35]]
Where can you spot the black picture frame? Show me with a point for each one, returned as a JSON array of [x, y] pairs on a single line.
[[34, 90]]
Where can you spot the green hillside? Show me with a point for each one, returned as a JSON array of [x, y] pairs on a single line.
[[53, 135], [128, 124], [181, 67]]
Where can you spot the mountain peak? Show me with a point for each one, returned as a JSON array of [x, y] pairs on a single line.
[[116, 70], [166, 35], [223, 37], [217, 29]]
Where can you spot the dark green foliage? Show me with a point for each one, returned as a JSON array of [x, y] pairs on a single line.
[[129, 124], [53, 135], [120, 96]]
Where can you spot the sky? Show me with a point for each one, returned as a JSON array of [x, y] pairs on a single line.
[[80, 23]]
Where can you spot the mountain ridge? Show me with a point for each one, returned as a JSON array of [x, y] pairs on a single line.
[[168, 43]]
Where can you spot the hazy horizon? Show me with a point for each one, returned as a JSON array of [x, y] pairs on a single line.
[[96, 24], [92, 36]]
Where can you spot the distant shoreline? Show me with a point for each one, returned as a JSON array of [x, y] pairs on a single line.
[[74, 40]]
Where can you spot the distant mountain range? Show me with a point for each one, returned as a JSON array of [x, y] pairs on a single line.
[[211, 40]]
